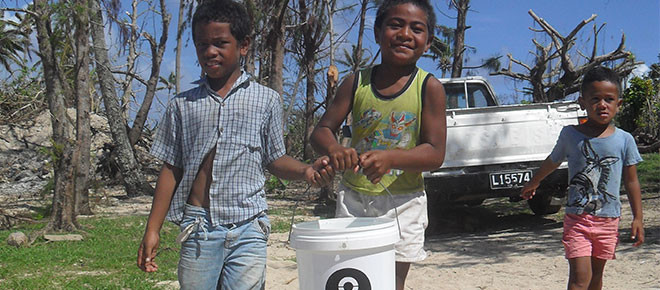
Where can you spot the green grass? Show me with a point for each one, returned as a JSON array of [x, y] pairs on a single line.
[[105, 259], [283, 224], [280, 225], [648, 172]]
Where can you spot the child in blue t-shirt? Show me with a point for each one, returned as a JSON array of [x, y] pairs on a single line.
[[598, 155]]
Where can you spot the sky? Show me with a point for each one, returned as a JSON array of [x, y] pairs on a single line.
[[502, 27], [497, 28]]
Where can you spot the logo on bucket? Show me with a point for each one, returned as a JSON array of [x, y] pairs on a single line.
[[348, 279]]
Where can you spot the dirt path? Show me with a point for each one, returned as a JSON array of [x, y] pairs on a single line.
[[480, 248]]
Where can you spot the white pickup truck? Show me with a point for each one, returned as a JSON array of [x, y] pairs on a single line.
[[492, 150]]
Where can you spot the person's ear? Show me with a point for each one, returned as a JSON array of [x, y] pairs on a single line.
[[244, 46], [580, 101]]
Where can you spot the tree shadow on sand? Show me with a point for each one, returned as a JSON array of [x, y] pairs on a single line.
[[495, 232], [501, 232]]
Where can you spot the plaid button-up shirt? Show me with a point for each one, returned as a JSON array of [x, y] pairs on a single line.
[[246, 129]]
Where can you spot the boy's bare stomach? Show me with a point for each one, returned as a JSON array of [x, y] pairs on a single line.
[[199, 194]]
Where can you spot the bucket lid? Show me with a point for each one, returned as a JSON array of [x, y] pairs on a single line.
[[340, 234]]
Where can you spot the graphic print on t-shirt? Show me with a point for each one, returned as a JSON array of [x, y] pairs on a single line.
[[588, 188]]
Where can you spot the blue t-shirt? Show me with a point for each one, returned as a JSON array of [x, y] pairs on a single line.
[[595, 167]]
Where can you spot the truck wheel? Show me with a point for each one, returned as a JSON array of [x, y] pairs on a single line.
[[543, 204]]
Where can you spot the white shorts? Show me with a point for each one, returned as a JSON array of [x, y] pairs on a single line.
[[413, 217]]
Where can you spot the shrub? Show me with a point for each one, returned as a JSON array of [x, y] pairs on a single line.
[[640, 112], [21, 97]]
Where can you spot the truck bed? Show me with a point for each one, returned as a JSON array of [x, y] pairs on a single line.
[[505, 134]]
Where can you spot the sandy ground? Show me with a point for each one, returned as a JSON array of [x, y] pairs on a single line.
[[515, 250], [495, 246]]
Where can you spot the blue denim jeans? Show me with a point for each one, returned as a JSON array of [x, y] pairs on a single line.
[[231, 257]]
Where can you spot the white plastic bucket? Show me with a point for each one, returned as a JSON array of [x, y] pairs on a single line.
[[346, 253]]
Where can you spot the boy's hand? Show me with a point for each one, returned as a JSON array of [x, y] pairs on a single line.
[[343, 158], [637, 232], [147, 252], [528, 190], [375, 164], [320, 173]]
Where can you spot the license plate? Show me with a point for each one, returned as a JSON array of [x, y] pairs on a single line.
[[513, 179]]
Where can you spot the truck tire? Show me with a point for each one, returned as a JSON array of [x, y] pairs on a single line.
[[543, 204]]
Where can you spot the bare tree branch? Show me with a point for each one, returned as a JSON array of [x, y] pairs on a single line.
[[519, 62], [545, 85], [595, 48], [157, 52], [29, 12], [131, 74]]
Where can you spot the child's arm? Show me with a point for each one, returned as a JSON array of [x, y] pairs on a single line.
[[429, 154], [317, 174], [323, 137], [168, 179], [547, 167], [631, 184]]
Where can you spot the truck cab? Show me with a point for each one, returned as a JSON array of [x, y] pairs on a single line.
[[468, 92]]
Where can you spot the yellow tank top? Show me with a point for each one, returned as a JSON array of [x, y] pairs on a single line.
[[386, 122]]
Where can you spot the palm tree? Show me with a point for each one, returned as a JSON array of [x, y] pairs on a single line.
[[491, 64], [12, 43], [349, 59], [441, 50], [441, 53]]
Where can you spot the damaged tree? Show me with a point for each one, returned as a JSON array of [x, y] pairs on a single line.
[[550, 83], [63, 214], [157, 52], [462, 7], [81, 156], [133, 178], [314, 21]]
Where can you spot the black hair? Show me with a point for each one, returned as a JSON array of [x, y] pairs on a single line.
[[226, 11], [423, 4], [599, 74]]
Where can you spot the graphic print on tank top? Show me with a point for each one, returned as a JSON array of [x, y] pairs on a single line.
[[391, 132], [367, 119], [588, 188]]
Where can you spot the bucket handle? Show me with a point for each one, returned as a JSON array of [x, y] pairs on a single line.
[[396, 212], [293, 212]]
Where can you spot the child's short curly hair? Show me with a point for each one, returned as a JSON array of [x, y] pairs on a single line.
[[599, 74], [226, 11], [423, 4]]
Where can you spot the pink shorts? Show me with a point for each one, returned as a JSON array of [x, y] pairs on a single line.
[[586, 235]]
